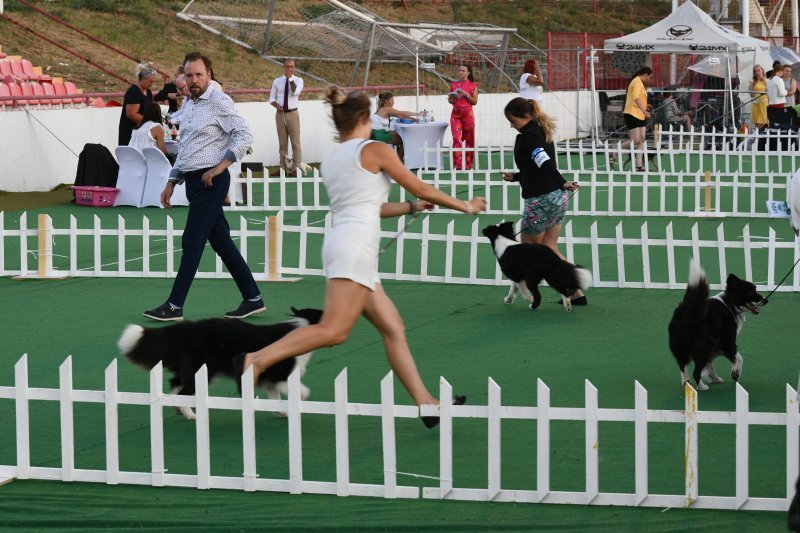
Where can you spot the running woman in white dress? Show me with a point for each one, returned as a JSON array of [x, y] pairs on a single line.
[[356, 175]]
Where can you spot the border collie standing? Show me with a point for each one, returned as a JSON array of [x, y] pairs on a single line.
[[527, 264], [703, 328], [215, 342]]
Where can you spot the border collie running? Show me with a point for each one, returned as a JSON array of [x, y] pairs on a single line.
[[703, 328], [215, 342], [527, 264]]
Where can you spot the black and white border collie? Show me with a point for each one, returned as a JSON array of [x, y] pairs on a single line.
[[703, 328], [527, 264], [215, 342]]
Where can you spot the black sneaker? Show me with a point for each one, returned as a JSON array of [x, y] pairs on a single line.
[[165, 313], [246, 309]]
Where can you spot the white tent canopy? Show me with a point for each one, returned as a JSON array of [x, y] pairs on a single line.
[[689, 30]]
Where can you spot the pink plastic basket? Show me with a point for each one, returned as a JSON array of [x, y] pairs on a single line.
[[95, 196]]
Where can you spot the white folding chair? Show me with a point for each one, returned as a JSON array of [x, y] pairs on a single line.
[[158, 169], [132, 176]]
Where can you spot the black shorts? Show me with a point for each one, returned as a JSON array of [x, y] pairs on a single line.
[[632, 122]]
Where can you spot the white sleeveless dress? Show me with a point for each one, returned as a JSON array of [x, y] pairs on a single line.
[[351, 247], [142, 137]]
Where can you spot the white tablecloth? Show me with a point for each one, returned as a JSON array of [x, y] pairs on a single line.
[[415, 137], [172, 147]]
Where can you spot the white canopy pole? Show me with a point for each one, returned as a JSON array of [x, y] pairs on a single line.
[[595, 128]]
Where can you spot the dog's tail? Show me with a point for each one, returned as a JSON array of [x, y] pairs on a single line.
[[696, 290], [130, 338], [583, 277]]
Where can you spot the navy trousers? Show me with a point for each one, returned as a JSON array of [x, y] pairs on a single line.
[[206, 223]]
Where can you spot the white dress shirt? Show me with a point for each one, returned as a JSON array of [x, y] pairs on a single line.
[[278, 86], [776, 92], [211, 130]]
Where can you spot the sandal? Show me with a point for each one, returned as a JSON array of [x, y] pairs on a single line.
[[641, 169], [433, 421]]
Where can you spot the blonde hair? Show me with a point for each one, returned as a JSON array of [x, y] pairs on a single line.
[[347, 109], [520, 107]]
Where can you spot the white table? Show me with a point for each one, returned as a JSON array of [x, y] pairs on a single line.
[[172, 147], [415, 137]]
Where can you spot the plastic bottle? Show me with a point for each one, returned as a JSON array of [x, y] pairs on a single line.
[[174, 133]]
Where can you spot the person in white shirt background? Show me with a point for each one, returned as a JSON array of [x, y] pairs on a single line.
[[283, 97], [531, 84], [150, 130], [776, 92], [790, 85]]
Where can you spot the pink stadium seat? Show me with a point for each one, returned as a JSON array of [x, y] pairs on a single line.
[[27, 90], [16, 69], [27, 68], [3, 55], [5, 91], [50, 91], [61, 89], [72, 89], [38, 90], [5, 68], [16, 90]]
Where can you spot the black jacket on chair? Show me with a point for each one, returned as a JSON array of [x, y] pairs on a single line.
[[96, 166]]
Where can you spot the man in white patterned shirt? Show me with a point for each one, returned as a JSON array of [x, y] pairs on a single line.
[[283, 97], [213, 136]]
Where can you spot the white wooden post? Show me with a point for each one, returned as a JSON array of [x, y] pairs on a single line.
[[295, 435], [445, 438], [342, 435], [97, 240], [742, 446], [67, 420], [542, 440], [21, 408], [690, 472], [112, 424], [157, 426], [250, 473], [202, 428], [640, 445], [121, 245], [146, 247], [494, 445], [388, 437], [792, 443], [592, 443]]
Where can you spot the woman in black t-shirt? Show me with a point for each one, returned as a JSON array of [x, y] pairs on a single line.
[[136, 99], [544, 189]]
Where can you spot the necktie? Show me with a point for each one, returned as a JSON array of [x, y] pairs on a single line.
[[286, 96]]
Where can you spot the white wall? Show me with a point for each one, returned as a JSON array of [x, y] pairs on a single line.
[[34, 159]]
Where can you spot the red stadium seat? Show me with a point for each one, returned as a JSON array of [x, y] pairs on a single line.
[[5, 91], [72, 89], [38, 90], [5, 68], [50, 91], [61, 89], [27, 68], [16, 69], [27, 90], [16, 90]]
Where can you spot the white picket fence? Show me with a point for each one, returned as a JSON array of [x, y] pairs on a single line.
[[612, 257], [591, 414], [657, 194], [687, 181]]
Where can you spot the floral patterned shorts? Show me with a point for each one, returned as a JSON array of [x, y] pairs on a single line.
[[543, 212]]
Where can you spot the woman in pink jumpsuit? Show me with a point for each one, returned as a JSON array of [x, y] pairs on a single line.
[[463, 95]]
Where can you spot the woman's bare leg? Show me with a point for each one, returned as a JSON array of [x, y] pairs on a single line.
[[381, 311], [639, 143], [344, 302]]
